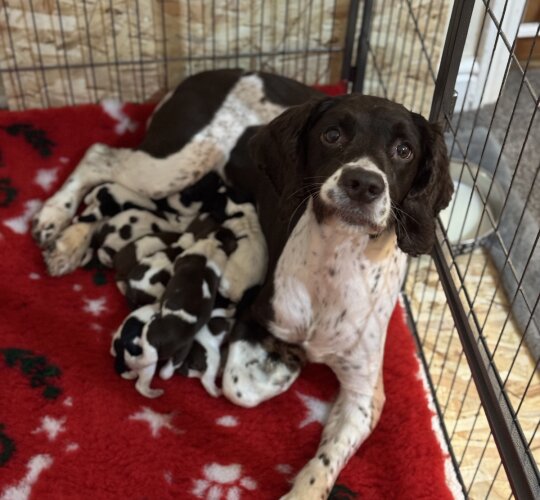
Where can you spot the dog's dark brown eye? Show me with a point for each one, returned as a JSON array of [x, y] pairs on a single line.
[[331, 135], [404, 151]]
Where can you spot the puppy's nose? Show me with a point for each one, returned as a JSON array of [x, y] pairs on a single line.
[[361, 185]]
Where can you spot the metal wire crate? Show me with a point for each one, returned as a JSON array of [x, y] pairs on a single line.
[[473, 305]]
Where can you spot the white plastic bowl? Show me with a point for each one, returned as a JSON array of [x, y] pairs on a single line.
[[470, 224]]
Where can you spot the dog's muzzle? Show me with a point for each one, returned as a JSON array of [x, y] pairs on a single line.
[[360, 185], [358, 193]]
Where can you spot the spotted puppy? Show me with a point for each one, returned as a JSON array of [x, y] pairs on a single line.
[[128, 226], [126, 259], [185, 308], [203, 361]]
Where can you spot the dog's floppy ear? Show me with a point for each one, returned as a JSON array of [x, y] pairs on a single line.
[[278, 148], [431, 192]]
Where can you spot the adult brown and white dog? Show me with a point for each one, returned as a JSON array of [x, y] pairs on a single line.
[[345, 187]]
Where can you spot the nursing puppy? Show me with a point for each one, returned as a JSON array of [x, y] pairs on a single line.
[[166, 330]]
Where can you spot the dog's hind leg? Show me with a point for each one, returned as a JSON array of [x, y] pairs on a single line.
[[57, 212], [70, 249]]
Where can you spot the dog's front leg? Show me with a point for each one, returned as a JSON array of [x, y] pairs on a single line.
[[352, 418], [57, 212]]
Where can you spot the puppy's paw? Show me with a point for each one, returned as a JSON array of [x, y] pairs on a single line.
[[167, 370], [211, 387], [128, 375], [147, 392], [49, 222], [69, 251]]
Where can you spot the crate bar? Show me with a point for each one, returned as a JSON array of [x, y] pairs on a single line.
[[362, 48], [346, 69]]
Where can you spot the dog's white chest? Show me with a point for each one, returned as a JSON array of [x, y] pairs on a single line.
[[335, 289]]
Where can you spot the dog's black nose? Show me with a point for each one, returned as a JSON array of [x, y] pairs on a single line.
[[361, 185]]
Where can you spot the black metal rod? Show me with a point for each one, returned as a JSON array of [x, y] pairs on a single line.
[[349, 40], [362, 48], [450, 60]]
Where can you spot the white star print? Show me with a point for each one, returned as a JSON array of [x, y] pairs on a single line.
[[95, 306], [227, 421], [21, 223], [283, 468], [46, 177], [51, 426], [115, 110], [34, 276], [155, 420], [317, 410], [22, 490], [72, 447]]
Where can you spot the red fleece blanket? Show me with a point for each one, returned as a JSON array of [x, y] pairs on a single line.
[[71, 428]]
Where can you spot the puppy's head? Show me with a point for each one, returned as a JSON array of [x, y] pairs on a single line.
[[364, 160]]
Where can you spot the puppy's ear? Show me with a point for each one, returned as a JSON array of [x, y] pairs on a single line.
[[278, 148], [431, 192]]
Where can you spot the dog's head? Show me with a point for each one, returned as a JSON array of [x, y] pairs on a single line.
[[365, 160]]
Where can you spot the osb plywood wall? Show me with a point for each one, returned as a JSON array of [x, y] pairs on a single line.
[[406, 43], [67, 52]]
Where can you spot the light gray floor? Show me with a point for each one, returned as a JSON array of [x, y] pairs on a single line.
[[513, 125]]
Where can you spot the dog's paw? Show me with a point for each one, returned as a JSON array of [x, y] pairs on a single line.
[[49, 222], [68, 251], [211, 387], [310, 484]]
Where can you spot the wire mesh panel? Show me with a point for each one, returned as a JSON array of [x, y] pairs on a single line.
[[489, 233], [66, 52]]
